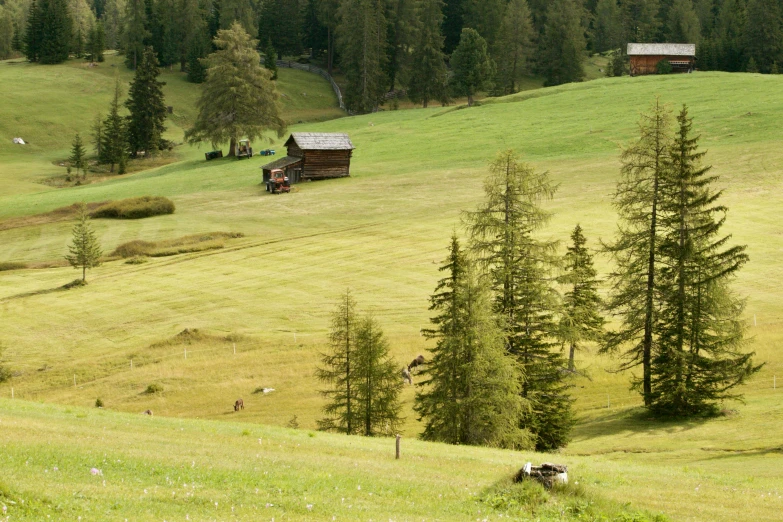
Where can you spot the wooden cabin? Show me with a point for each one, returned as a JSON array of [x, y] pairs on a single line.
[[644, 57], [314, 155]]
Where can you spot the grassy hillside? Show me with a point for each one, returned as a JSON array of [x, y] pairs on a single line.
[[383, 233]]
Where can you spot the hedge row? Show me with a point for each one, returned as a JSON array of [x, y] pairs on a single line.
[[135, 208]]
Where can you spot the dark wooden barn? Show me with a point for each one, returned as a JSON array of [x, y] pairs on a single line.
[[644, 57], [314, 155]]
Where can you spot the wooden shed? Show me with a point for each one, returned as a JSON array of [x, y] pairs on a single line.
[[314, 155], [644, 57]]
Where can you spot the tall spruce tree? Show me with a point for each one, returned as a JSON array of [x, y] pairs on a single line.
[[520, 269], [764, 33], [114, 140], [453, 23], [136, 32], [485, 16], [683, 24], [641, 20], [471, 64], [607, 27], [563, 43], [700, 356], [471, 390], [362, 44], [55, 38], [514, 45], [428, 76], [32, 37], [96, 42], [78, 158], [198, 49], [581, 318], [730, 32], [338, 371], [239, 11], [285, 42], [239, 98], [636, 251], [85, 250], [402, 24], [329, 15], [7, 33], [146, 106], [270, 59], [378, 383]]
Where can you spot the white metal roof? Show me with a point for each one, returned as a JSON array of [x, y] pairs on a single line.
[[321, 141], [661, 49]]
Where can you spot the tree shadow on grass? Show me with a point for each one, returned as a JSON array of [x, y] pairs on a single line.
[[73, 284]]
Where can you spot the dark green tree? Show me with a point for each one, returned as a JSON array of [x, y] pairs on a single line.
[[114, 140], [191, 31], [636, 252], [641, 20], [197, 52], [32, 37], [286, 41], [96, 43], [608, 26], [239, 98], [145, 123], [378, 384], [97, 135], [581, 319], [329, 15], [764, 33], [56, 26], [472, 67], [270, 59], [338, 371], [428, 75], [78, 158], [85, 249], [485, 16], [514, 45], [563, 44], [683, 24], [453, 23], [362, 46], [520, 266], [136, 32], [7, 33], [700, 358], [239, 11], [471, 388], [400, 35], [730, 34]]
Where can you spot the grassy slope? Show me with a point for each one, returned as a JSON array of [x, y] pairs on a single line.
[[382, 232]]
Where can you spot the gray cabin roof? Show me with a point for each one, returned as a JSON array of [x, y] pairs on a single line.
[[321, 141], [281, 163], [662, 49]]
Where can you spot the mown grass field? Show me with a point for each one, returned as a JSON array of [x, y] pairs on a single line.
[[264, 299]]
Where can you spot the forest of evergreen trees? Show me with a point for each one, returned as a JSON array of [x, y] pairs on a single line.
[[385, 45]]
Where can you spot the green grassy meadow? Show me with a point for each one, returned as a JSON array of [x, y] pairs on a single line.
[[262, 305]]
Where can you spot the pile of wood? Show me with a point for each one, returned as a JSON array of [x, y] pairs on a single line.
[[547, 474]]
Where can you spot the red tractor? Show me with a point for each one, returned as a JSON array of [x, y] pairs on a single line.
[[278, 182]]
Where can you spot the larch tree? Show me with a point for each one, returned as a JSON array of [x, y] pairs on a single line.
[[513, 46], [471, 388], [338, 371], [581, 319], [471, 65], [114, 141], [145, 123], [378, 383], [239, 98], [502, 231], [362, 45], [429, 75], [563, 43], [699, 359], [635, 252], [85, 249], [78, 158]]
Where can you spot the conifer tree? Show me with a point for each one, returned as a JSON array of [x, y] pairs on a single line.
[[136, 32], [239, 98], [471, 391], [329, 15], [114, 144], [78, 157], [472, 67], [429, 76], [146, 106], [362, 46], [581, 318], [197, 52], [699, 359], [764, 33], [520, 270], [97, 135], [563, 44], [453, 22], [636, 252], [55, 36], [96, 42], [270, 59], [485, 16], [285, 42], [378, 383], [400, 36], [191, 30], [338, 371], [239, 11], [7, 33], [730, 31], [608, 28], [683, 24], [85, 251], [641, 20], [32, 37], [514, 45]]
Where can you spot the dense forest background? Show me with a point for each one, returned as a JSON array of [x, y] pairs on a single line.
[[388, 45]]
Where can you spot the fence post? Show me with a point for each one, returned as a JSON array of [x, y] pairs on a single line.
[[397, 454]]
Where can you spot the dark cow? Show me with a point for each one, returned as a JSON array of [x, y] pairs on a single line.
[[418, 361], [147, 412], [239, 405]]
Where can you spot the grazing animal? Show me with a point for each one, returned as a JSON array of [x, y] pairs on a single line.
[[418, 361], [406, 376], [147, 412], [239, 405]]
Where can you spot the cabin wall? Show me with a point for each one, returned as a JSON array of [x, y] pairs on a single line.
[[294, 150], [641, 65], [323, 164]]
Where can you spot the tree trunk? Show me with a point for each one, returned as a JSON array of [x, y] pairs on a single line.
[[470, 100], [571, 357], [232, 148], [84, 273]]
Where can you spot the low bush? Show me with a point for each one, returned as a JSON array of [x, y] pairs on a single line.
[[98, 403], [663, 67], [136, 260], [153, 389], [11, 265], [171, 247], [135, 208]]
